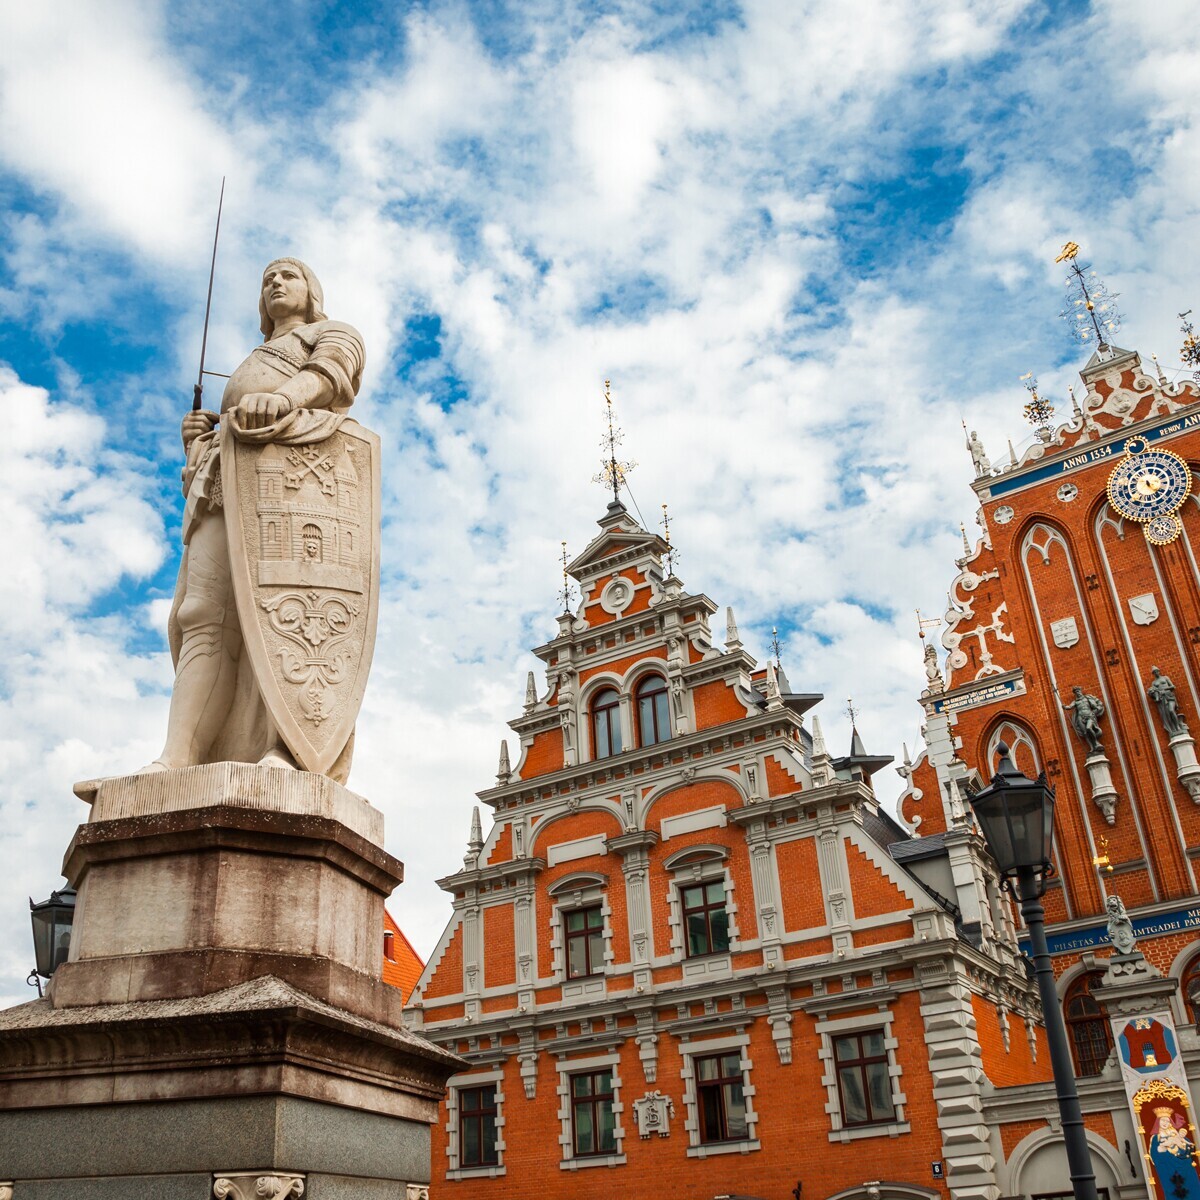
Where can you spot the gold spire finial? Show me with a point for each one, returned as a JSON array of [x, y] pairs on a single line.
[[612, 473], [672, 554], [1092, 312]]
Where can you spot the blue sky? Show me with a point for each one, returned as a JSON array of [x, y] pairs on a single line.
[[804, 240]]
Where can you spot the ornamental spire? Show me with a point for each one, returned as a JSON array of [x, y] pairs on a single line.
[[474, 841], [1039, 412], [1091, 310], [672, 554], [732, 641], [566, 593], [612, 473], [530, 692], [504, 770]]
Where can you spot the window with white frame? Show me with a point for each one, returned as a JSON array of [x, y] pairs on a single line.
[[702, 911], [590, 1111], [862, 1076], [581, 930], [718, 1095], [475, 1128]]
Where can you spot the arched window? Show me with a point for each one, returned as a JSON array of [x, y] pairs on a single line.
[[653, 715], [1020, 743], [606, 724], [1189, 984], [1087, 1025]]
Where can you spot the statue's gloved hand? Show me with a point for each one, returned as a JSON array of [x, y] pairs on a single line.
[[196, 423], [260, 409]]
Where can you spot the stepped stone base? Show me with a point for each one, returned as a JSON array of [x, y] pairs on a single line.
[[220, 1029]]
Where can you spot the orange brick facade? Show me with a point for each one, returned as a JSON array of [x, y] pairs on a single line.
[[825, 944]]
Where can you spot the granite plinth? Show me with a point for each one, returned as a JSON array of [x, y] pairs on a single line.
[[134, 1100], [195, 880]]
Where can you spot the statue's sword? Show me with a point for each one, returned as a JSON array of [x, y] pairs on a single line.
[[198, 390]]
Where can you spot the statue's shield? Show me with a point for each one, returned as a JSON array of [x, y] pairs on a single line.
[[303, 524]]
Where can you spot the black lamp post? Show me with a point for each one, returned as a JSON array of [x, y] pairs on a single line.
[[1016, 816], [52, 920]]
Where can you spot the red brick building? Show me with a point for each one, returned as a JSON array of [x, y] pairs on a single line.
[[693, 957], [1065, 601]]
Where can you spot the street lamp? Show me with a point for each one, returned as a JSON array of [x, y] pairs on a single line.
[[1016, 816], [52, 920]]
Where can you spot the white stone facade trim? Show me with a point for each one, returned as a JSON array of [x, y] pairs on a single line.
[[589, 894], [454, 1085], [689, 1051], [566, 1139], [832, 1027], [704, 871], [257, 1185]]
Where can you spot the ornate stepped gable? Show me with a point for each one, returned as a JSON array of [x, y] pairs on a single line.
[[1060, 611], [681, 879]]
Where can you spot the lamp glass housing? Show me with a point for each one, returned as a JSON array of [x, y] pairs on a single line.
[[52, 920], [1016, 816]]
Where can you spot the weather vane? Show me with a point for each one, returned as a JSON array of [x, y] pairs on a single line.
[[1189, 352], [672, 555], [852, 712], [924, 623], [1038, 411], [566, 593], [612, 473], [775, 646], [1091, 310]]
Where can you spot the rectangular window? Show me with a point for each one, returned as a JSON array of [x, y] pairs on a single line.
[[704, 918], [593, 1122], [585, 941], [720, 1098], [864, 1082], [477, 1127]]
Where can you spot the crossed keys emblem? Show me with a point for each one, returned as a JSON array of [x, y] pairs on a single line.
[[308, 460]]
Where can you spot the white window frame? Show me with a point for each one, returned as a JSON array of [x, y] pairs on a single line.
[[583, 1066], [689, 1052], [704, 870], [565, 896], [456, 1084], [832, 1027]]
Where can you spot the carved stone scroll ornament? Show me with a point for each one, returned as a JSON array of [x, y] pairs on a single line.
[[255, 1185], [653, 1113], [6, 1191], [416, 1191]]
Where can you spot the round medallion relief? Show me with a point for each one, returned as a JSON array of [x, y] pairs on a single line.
[[1067, 492], [617, 596], [1003, 515]]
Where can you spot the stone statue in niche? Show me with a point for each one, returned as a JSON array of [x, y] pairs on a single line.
[[1086, 712], [273, 623], [1162, 693], [1120, 928]]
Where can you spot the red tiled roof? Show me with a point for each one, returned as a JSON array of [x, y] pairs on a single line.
[[407, 966]]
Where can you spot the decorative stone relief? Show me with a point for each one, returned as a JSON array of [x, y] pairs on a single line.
[[1003, 515], [617, 596], [1067, 492], [256, 1185], [1144, 609], [416, 1191], [653, 1113], [6, 1191], [1064, 632], [647, 1044]]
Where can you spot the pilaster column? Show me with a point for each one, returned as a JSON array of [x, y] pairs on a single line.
[[634, 849]]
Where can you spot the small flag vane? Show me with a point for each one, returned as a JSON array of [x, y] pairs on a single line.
[[924, 623], [566, 594], [612, 473], [1038, 411], [775, 647], [1091, 310]]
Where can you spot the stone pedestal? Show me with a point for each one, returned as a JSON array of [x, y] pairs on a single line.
[[1104, 794], [1187, 769], [221, 1022]]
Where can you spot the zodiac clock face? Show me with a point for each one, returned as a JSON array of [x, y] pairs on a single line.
[[1149, 486]]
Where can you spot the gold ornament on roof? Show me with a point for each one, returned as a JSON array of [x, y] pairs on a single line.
[[612, 473], [1070, 250], [1091, 313]]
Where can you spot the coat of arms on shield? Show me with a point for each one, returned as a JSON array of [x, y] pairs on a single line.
[[303, 525]]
